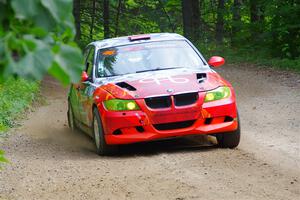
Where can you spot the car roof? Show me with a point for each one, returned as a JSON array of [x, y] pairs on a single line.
[[119, 41]]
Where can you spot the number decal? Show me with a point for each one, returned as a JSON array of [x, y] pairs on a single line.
[[168, 78]]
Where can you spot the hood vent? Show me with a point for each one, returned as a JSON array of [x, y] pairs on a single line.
[[201, 77], [126, 86]]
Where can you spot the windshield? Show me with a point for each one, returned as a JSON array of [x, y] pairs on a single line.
[[145, 57]]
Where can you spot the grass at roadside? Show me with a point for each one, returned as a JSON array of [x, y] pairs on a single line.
[[248, 55], [16, 95]]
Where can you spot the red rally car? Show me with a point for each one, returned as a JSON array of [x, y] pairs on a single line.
[[147, 87]]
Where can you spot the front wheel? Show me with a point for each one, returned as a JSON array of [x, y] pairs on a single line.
[[101, 147], [230, 139]]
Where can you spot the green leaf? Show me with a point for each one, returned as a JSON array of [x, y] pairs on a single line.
[[59, 9], [5, 11], [132, 3], [71, 62], [59, 74], [45, 20], [35, 64], [25, 9], [38, 31]]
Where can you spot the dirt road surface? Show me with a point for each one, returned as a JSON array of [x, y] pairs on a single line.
[[50, 162]]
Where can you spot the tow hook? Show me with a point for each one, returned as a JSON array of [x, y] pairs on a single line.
[[141, 119]]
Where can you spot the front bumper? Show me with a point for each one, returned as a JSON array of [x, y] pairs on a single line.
[[138, 126]]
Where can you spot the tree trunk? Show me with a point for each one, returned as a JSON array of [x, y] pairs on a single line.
[[236, 14], [106, 18], [220, 22], [171, 25], [191, 19], [93, 19], [236, 24], [256, 11], [256, 17], [117, 18], [76, 13]]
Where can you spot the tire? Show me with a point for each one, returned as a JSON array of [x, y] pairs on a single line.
[[102, 148], [230, 139], [71, 119]]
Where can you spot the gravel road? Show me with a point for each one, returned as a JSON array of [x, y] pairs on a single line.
[[50, 162]]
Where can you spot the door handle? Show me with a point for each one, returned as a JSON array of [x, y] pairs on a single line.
[[77, 87]]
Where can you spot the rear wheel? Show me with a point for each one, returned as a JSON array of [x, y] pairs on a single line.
[[101, 147], [230, 139], [71, 120]]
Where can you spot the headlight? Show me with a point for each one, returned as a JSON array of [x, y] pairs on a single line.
[[217, 94], [120, 105]]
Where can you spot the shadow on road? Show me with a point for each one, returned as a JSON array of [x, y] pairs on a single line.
[[189, 144], [85, 144]]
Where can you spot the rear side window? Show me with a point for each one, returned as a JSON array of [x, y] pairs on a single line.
[[90, 61]]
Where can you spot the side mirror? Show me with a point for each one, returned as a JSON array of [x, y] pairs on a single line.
[[216, 61], [84, 76]]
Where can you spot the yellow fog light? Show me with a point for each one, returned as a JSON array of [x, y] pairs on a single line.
[[120, 105], [131, 106], [217, 94], [209, 97]]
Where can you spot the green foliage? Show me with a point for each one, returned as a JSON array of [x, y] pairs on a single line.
[[136, 17], [36, 37], [15, 96], [268, 31], [2, 158], [285, 36], [260, 57]]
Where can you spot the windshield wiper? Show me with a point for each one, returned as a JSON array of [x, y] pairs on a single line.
[[157, 69], [111, 75]]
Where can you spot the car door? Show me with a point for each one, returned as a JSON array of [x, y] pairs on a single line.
[[86, 89], [75, 93]]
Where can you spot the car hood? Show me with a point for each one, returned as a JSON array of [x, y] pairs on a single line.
[[161, 83]]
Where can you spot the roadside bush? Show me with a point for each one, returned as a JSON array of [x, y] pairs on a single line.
[[2, 158], [15, 96], [249, 55]]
